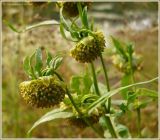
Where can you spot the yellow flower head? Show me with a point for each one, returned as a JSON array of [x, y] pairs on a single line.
[[43, 92], [89, 48]]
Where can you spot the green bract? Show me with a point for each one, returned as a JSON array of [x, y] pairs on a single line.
[[89, 48], [43, 92], [70, 8]]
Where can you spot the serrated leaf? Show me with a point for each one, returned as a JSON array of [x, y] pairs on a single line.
[[30, 27], [52, 115], [38, 61]]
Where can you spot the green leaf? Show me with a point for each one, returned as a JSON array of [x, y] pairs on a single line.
[[38, 61], [123, 131], [52, 115], [30, 27], [31, 66], [89, 98], [126, 80], [57, 62], [63, 33], [75, 84], [49, 58], [63, 21], [103, 122], [84, 17], [26, 65], [147, 92], [144, 103], [102, 88], [104, 97], [87, 81], [119, 48]]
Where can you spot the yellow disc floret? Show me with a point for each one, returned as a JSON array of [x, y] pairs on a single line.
[[43, 92]]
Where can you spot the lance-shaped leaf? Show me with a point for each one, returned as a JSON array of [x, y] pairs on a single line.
[[26, 65], [147, 92], [49, 58], [85, 18], [30, 27], [38, 60], [107, 95], [119, 48], [52, 115]]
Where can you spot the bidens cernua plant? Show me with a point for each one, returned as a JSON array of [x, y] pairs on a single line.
[[85, 101]]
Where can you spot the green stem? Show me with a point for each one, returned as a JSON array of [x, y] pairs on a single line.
[[81, 115], [95, 79], [139, 122], [107, 81], [77, 109], [108, 120], [138, 110]]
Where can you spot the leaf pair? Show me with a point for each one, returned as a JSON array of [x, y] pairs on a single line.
[[33, 70], [33, 65]]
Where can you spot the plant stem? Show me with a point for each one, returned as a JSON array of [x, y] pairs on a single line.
[[138, 110], [139, 122], [77, 109], [81, 115], [108, 120], [95, 79], [107, 81]]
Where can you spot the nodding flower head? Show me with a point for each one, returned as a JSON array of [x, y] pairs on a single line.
[[124, 66], [37, 4], [43, 92], [89, 48], [79, 122], [70, 8]]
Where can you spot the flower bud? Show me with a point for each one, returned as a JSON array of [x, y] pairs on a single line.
[[43, 92], [89, 48], [124, 66]]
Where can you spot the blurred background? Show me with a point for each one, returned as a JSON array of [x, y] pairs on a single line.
[[128, 21]]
